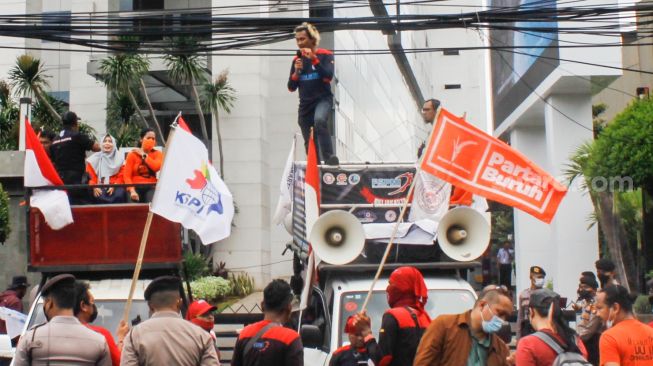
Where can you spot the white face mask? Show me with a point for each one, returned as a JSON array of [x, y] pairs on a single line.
[[610, 322], [539, 282]]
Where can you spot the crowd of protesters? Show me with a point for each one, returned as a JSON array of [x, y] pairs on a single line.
[[106, 166], [606, 330]]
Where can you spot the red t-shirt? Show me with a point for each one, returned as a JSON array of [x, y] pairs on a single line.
[[629, 343], [113, 348], [532, 351]]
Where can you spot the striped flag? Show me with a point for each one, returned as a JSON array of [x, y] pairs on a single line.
[[39, 171], [312, 212]]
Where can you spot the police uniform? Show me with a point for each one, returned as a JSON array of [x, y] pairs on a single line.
[[523, 301], [63, 340], [166, 338]]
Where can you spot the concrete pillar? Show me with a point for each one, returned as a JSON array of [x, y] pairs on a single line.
[[532, 236], [568, 123]]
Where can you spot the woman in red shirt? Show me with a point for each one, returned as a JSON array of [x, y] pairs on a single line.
[[106, 167], [141, 166], [547, 319]]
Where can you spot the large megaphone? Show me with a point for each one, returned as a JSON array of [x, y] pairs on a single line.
[[463, 234], [337, 237]]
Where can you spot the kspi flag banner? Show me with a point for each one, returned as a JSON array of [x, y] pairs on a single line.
[[467, 157], [190, 190], [284, 204]]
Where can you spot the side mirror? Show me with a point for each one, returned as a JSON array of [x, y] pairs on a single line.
[[311, 336]]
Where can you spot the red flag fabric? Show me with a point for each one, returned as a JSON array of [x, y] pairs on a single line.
[[39, 170], [312, 212], [182, 123], [467, 157]]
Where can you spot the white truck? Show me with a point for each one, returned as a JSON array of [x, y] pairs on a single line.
[[345, 290]]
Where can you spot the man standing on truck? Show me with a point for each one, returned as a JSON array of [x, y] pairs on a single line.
[[12, 298], [268, 343], [166, 338], [86, 311], [311, 72], [402, 326], [63, 340], [469, 338]]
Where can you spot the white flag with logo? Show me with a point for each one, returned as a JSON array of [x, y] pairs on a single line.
[[285, 188], [190, 191], [431, 198]]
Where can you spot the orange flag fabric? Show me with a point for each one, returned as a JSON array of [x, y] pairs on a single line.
[[469, 158]]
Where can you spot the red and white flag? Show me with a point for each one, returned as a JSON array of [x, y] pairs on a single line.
[[469, 158], [312, 212], [38, 172]]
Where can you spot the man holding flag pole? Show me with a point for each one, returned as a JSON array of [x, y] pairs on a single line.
[[465, 156]]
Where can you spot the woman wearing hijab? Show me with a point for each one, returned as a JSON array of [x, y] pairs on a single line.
[[106, 167], [404, 324], [141, 166]]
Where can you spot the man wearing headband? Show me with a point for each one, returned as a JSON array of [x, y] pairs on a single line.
[[268, 343], [311, 72]]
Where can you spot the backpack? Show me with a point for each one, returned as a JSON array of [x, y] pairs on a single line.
[[564, 357]]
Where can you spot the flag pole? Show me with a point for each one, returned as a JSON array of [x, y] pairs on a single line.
[[141, 249], [401, 217]]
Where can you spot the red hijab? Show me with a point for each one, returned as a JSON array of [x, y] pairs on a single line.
[[407, 288]]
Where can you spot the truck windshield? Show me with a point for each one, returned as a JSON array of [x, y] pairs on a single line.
[[109, 313], [441, 301]]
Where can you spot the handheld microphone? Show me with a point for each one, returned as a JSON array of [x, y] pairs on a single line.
[[299, 55]]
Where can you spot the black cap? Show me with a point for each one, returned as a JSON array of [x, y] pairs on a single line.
[[543, 297], [57, 282], [589, 281], [18, 282], [605, 265], [69, 118], [163, 283], [538, 270]]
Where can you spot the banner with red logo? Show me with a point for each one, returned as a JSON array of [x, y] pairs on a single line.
[[467, 157]]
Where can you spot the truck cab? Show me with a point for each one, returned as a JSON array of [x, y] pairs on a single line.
[[344, 292]]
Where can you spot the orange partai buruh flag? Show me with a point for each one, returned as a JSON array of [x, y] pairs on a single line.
[[469, 158]]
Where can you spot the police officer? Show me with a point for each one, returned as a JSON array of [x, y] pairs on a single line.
[[537, 276], [166, 338], [63, 340], [68, 150]]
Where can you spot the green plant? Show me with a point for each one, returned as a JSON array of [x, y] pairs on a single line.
[[242, 283], [195, 265], [216, 96], [549, 284], [5, 228], [221, 271], [28, 77], [212, 289], [642, 305], [186, 66]]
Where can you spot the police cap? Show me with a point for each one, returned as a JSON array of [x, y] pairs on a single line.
[[538, 270], [57, 282]]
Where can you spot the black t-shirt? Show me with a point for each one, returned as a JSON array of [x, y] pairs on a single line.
[[277, 346], [347, 356], [68, 152]]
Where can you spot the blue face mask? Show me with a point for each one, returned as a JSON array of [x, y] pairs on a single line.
[[493, 325]]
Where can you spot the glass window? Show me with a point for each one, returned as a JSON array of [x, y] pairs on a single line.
[[440, 302], [109, 313]]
